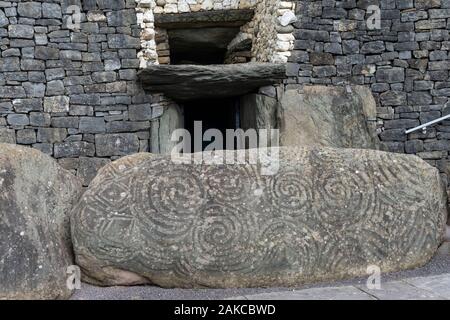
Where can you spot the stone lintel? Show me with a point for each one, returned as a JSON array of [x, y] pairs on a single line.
[[204, 19], [192, 82]]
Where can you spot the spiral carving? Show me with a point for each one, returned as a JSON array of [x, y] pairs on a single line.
[[291, 192], [222, 240], [325, 212], [343, 195]]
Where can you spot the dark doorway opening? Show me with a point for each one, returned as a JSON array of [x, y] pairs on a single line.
[[200, 46], [220, 114]]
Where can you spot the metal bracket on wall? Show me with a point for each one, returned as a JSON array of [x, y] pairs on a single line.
[[426, 125]]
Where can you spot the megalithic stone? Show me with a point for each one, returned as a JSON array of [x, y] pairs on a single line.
[[36, 196], [327, 214]]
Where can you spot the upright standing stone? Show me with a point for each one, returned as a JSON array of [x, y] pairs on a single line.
[[36, 196], [329, 117]]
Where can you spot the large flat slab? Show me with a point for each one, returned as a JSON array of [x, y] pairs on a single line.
[[438, 285], [329, 116], [193, 82]]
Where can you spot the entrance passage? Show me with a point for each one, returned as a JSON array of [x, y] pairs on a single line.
[[200, 46], [220, 114]]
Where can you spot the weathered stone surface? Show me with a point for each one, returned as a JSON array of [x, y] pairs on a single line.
[[188, 82], [328, 116], [116, 144], [30, 9], [3, 20], [20, 31], [123, 41], [56, 104], [7, 136], [36, 197], [326, 214]]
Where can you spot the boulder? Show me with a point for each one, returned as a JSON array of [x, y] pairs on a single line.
[[326, 214], [329, 117], [36, 196]]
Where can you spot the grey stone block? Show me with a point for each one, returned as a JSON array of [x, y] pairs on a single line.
[[46, 148], [9, 64], [26, 136], [51, 10], [88, 168], [4, 21], [55, 74], [116, 144], [413, 146], [70, 55], [12, 92], [46, 53], [65, 122], [392, 75], [140, 112], [85, 99], [56, 104], [40, 119], [321, 58], [18, 119], [419, 98], [123, 41], [51, 135], [92, 125], [32, 65], [20, 31], [373, 47], [350, 46], [401, 124], [107, 76], [34, 90], [324, 71], [122, 18], [30, 9], [7, 136], [74, 149], [27, 105], [393, 135], [6, 107], [55, 88]]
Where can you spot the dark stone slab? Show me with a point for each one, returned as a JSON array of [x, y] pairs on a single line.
[[190, 82], [216, 18], [35, 249]]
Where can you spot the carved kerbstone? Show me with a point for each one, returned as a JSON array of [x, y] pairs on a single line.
[[327, 214]]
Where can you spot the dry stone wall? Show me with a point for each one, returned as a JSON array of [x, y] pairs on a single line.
[[73, 93]]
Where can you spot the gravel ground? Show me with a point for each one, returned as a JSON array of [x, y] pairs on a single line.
[[439, 265]]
